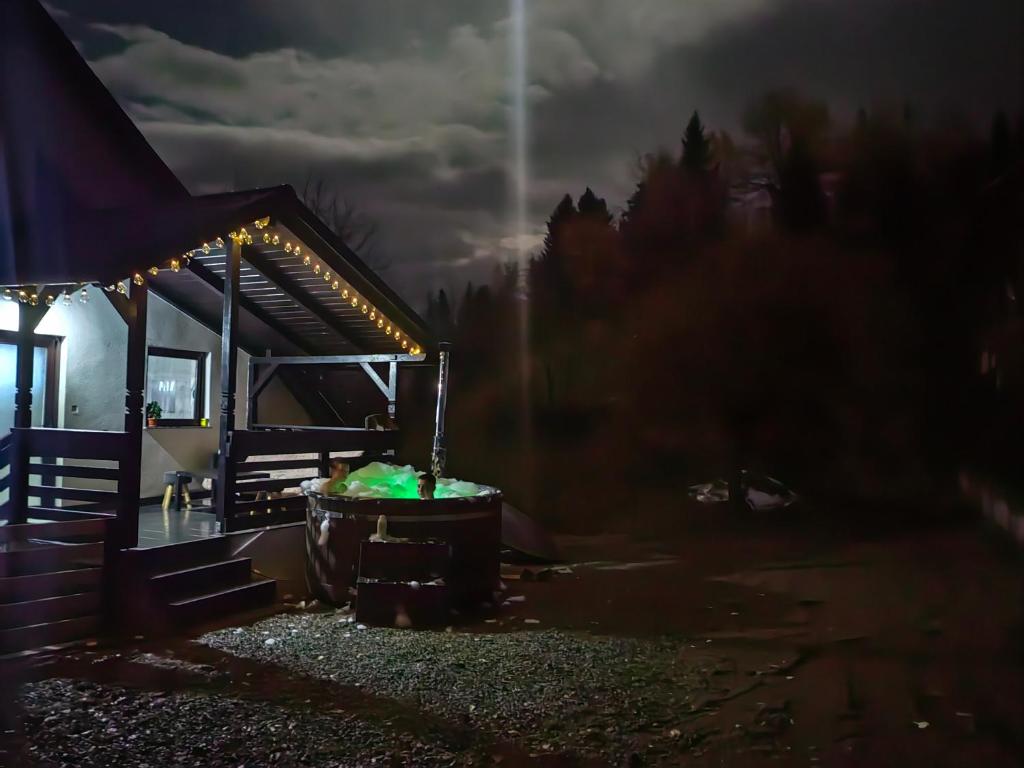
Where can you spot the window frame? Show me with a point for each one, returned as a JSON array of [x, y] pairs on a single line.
[[199, 400]]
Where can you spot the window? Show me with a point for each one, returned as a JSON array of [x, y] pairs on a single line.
[[175, 379]]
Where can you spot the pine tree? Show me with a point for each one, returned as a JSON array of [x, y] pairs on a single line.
[[696, 147]]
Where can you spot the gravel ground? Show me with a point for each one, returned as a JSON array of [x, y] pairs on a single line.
[[85, 724], [547, 691]]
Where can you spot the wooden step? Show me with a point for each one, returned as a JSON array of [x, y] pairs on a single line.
[[16, 589], [154, 560], [51, 633], [49, 558], [67, 532], [198, 579], [48, 609], [214, 605]]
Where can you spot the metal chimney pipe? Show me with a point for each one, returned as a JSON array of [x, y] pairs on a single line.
[[439, 454]]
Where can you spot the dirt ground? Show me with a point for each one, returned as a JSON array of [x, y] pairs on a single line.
[[825, 649]]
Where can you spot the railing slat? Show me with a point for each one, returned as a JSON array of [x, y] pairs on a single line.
[[73, 494], [245, 443], [69, 470]]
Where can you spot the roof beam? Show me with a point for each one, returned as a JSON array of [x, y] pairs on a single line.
[[276, 276], [211, 278]]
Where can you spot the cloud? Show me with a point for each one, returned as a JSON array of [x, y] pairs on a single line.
[[403, 105]]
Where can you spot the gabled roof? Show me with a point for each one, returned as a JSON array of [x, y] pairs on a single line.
[[66, 146], [84, 198]]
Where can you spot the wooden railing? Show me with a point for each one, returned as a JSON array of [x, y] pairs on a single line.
[[251, 503], [52, 454]]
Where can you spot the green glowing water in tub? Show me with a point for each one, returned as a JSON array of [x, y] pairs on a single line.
[[386, 481]]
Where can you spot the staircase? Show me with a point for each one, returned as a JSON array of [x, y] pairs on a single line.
[[180, 586], [50, 582]]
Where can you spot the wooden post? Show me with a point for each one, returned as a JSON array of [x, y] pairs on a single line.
[[23, 378], [18, 502], [129, 485], [228, 381], [251, 396]]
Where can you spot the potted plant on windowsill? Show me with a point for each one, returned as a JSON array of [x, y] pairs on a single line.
[[153, 413]]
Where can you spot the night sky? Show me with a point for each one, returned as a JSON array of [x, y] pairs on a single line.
[[402, 105]]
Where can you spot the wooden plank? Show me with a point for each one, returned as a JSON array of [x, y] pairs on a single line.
[[91, 529], [261, 443], [244, 508], [48, 609], [73, 443], [352, 360], [281, 517], [69, 513], [74, 494], [39, 635], [73, 470], [280, 464], [274, 484], [15, 589], [59, 557]]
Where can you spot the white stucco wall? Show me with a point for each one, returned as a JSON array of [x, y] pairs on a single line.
[[92, 373]]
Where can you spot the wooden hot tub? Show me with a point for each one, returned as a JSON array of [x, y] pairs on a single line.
[[470, 526]]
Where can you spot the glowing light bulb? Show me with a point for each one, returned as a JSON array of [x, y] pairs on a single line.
[[266, 237], [84, 296], [206, 246], [175, 265], [8, 296], [275, 239], [327, 277], [287, 247], [122, 289], [49, 300], [306, 260], [373, 314], [33, 300], [405, 343], [415, 350], [138, 279], [388, 329], [380, 322], [261, 223], [364, 309], [334, 285], [66, 299], [398, 335], [154, 271], [22, 297], [316, 269], [344, 293], [298, 249], [219, 242], [355, 301]]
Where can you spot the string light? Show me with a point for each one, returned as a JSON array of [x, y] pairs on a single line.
[[261, 223], [122, 289], [49, 300], [175, 265], [275, 239], [287, 247], [355, 301], [298, 249], [307, 260], [206, 249], [316, 269], [8, 296], [138, 279], [380, 322], [22, 297], [344, 294], [266, 237], [154, 271], [373, 314], [66, 299], [219, 242], [84, 295], [334, 285], [405, 343], [33, 300], [364, 309]]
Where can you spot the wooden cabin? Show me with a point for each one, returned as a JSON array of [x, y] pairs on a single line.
[[122, 289]]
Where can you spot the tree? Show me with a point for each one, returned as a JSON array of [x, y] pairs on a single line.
[[357, 230], [696, 147]]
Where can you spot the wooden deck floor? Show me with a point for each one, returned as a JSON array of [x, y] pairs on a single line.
[[157, 527]]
